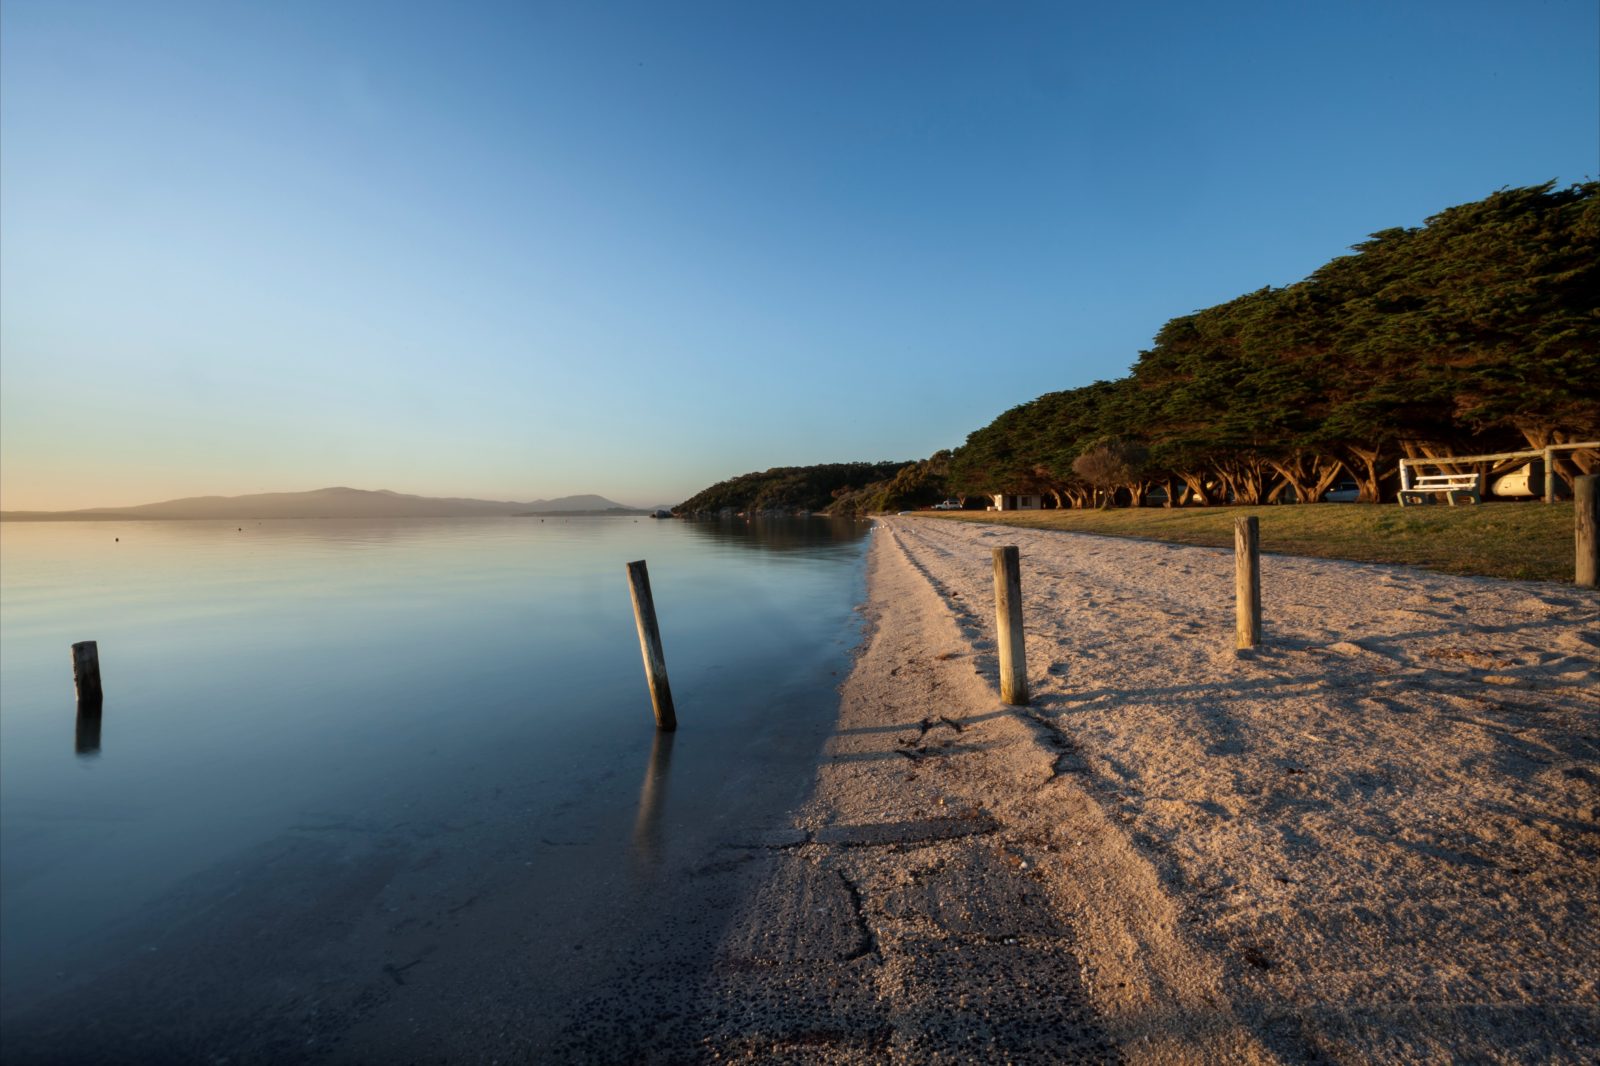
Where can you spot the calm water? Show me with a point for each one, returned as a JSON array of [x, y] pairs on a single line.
[[342, 689]]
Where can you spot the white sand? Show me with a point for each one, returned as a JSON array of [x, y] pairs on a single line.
[[1375, 838]]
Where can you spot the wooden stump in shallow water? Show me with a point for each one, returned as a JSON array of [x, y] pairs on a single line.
[[86, 674], [655, 660]]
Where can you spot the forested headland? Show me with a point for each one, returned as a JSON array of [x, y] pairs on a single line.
[[1476, 332], [789, 488]]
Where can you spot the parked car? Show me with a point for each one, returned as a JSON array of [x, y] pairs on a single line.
[[948, 505], [1343, 492]]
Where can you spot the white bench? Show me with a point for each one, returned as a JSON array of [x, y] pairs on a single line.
[[1456, 488]]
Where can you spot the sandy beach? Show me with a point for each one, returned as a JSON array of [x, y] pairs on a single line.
[[1372, 839]]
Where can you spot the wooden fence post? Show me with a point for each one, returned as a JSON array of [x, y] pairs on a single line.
[[655, 661], [1008, 626], [1585, 516], [86, 674], [1247, 581]]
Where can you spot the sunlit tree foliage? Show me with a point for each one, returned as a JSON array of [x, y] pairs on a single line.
[[1478, 331]]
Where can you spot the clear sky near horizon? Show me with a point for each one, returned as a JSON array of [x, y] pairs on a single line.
[[524, 250]]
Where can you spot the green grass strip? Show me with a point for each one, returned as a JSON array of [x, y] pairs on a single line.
[[1524, 540]]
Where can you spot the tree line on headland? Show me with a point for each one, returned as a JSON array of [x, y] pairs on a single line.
[[1476, 332], [789, 488]]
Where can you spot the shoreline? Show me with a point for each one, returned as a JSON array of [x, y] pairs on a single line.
[[925, 904], [1375, 837]]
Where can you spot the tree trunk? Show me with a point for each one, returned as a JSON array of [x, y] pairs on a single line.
[[1365, 472], [1197, 487], [1243, 478], [1327, 472], [1538, 437], [1230, 495], [1254, 481], [1293, 473], [1439, 454]]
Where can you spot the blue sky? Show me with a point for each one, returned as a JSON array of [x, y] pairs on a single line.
[[524, 250]]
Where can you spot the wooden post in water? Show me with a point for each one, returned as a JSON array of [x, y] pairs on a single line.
[[86, 674], [1585, 516], [1008, 626], [655, 660], [1247, 581]]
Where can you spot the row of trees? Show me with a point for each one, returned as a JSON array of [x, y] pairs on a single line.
[[1477, 332], [789, 488], [919, 484]]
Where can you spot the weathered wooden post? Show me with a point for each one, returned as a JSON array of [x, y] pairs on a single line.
[[86, 674], [1585, 516], [1008, 626], [1247, 581], [655, 661], [1549, 476]]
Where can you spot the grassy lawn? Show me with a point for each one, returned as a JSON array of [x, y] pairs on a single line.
[[1512, 540]]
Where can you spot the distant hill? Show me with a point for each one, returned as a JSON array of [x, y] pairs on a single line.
[[329, 503]]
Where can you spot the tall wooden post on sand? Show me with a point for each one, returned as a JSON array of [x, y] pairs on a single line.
[[1247, 581], [655, 660], [1585, 516], [1008, 626]]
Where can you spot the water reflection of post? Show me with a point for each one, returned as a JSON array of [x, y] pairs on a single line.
[[652, 798]]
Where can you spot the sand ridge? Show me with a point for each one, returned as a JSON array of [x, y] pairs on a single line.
[[1375, 837], [1372, 839]]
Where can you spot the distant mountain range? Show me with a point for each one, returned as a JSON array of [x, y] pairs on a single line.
[[332, 503]]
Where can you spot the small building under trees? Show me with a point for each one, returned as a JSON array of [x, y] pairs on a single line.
[[1006, 501]]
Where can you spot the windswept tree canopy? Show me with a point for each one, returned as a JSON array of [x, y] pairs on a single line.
[[1478, 331], [1111, 464]]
